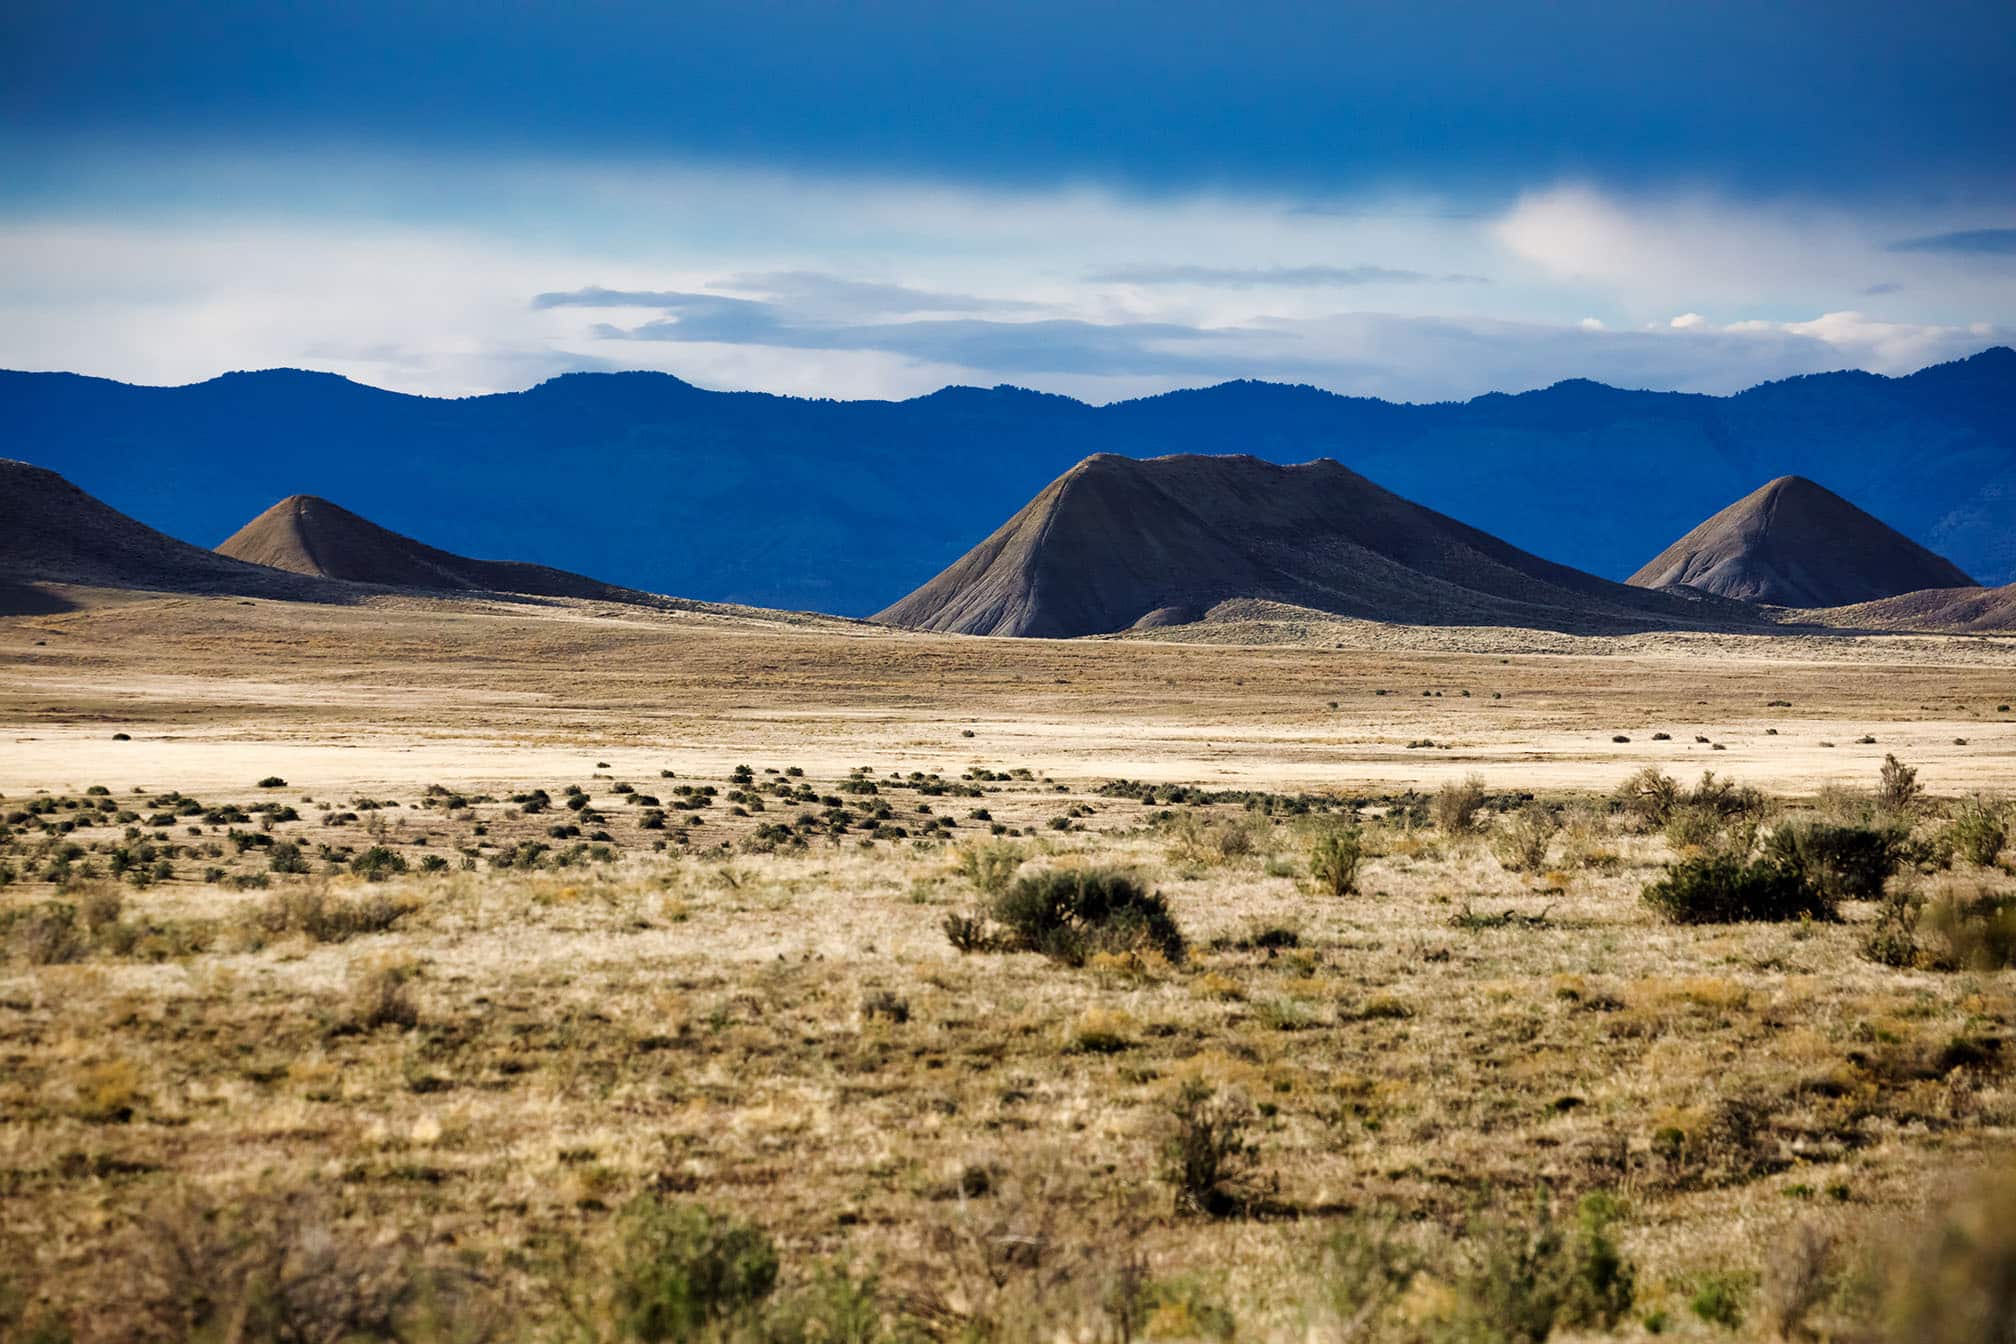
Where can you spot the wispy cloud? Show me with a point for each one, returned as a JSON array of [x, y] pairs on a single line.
[[1963, 242], [1256, 277], [824, 291]]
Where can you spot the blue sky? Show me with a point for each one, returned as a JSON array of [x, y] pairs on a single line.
[[1408, 200]]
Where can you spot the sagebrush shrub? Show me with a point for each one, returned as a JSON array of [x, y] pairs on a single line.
[[990, 866], [1897, 788], [1649, 797], [684, 1271], [1334, 858], [1843, 863], [1520, 841], [1530, 1276], [286, 857], [1069, 914], [377, 864], [1723, 890], [1978, 831], [1208, 1156]]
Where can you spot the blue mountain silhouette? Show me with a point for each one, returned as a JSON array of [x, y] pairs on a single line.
[[845, 506]]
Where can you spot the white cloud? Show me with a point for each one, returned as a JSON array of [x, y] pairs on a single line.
[[1881, 347], [1582, 285], [1653, 255]]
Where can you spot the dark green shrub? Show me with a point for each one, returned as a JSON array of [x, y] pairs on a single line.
[[1069, 914], [1721, 890], [684, 1271], [377, 863], [286, 857], [272, 782], [1843, 863]]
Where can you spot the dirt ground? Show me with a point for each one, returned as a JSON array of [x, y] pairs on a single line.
[[217, 692]]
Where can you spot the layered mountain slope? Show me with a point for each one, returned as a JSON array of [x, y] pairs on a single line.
[[1118, 543], [51, 532], [308, 535], [1792, 543]]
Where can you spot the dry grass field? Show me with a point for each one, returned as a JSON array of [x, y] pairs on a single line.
[[423, 971]]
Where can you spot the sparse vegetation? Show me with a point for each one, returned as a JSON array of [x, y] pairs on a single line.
[[1520, 841], [511, 1069], [1457, 804], [1334, 858]]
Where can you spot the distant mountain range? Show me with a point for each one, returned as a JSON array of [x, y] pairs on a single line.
[[840, 506]]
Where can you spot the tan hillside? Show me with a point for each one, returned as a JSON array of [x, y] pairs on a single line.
[[1118, 543], [1792, 543]]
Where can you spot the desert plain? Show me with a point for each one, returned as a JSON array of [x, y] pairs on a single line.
[[463, 1079]]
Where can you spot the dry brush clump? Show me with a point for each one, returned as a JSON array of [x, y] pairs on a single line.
[[1520, 841], [315, 913], [1457, 803]]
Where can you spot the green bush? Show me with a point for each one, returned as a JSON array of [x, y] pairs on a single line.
[[1843, 863], [1892, 939], [1898, 789], [990, 866], [1722, 890], [1978, 831], [1531, 1276], [684, 1270], [377, 863], [286, 857], [1334, 858], [1068, 914]]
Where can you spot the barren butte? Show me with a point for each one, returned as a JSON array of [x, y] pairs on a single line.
[[1118, 543], [1792, 543], [51, 532], [309, 535]]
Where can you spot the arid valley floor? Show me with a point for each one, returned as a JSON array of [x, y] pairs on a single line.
[[473, 1036]]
